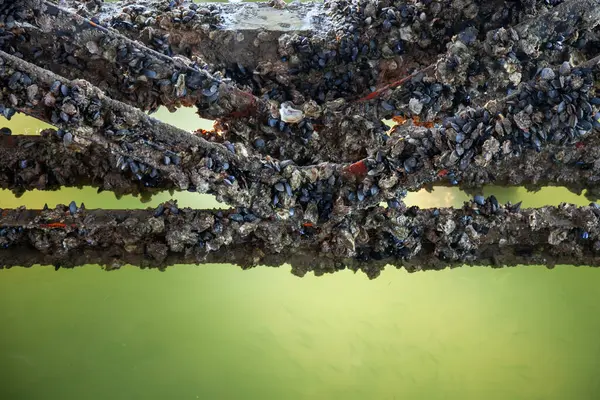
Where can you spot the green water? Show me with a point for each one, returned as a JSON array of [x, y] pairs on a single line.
[[217, 332]]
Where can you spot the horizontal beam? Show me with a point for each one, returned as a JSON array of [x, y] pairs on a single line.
[[481, 233], [45, 163]]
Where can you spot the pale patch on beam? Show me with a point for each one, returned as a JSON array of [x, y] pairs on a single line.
[[254, 16]]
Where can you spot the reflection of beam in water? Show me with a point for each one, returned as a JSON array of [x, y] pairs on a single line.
[[416, 239]]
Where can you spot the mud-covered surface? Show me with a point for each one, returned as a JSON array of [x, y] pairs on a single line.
[[483, 232]]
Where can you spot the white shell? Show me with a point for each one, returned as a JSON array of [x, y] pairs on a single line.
[[290, 115]]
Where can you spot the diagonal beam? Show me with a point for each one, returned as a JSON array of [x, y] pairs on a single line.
[[78, 48], [91, 117]]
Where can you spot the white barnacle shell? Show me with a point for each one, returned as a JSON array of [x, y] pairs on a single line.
[[290, 115]]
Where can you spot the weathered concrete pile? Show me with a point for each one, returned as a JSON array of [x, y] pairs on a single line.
[[481, 92]]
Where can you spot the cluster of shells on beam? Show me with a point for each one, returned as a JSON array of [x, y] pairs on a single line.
[[302, 95]]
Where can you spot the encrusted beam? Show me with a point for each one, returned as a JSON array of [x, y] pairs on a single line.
[[481, 233], [301, 50], [126, 70], [489, 141]]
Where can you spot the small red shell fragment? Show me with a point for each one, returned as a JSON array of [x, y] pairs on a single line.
[[358, 168]]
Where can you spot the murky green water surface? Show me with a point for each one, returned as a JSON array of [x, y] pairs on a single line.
[[217, 332]]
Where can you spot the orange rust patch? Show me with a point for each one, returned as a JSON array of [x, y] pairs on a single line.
[[54, 225], [392, 85], [416, 121], [399, 119]]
